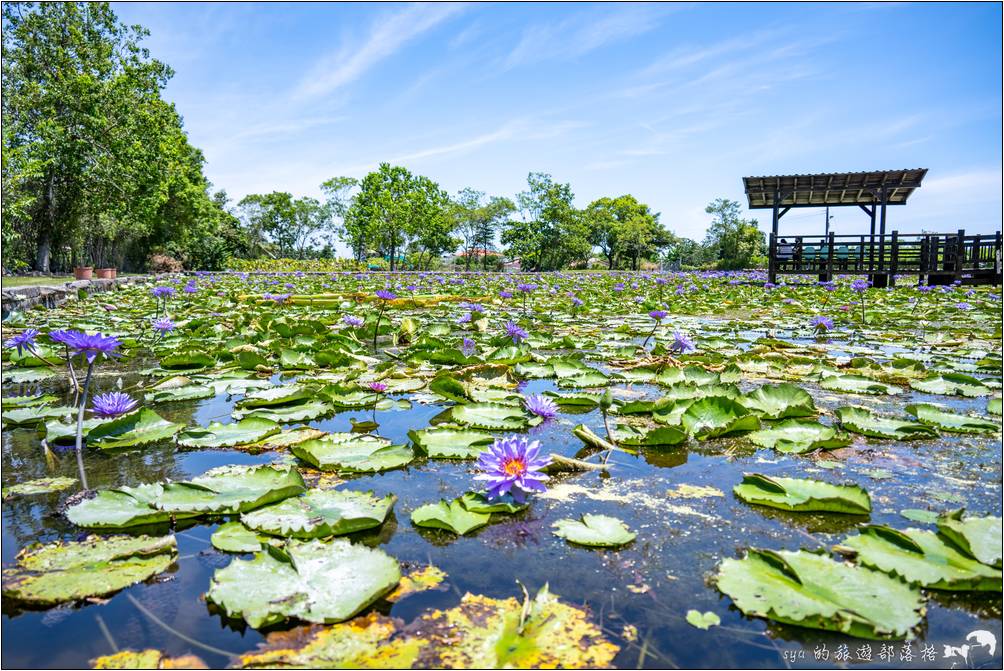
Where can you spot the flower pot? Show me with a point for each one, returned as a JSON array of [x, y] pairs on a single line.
[[83, 272], [105, 273]]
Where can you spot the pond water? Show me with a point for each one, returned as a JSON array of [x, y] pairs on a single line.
[[639, 594]]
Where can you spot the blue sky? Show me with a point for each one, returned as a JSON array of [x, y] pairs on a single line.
[[673, 103]]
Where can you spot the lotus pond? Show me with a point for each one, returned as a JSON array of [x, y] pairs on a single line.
[[738, 474]]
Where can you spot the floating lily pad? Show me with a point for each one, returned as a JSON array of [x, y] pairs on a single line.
[[442, 443], [976, 537], [320, 513], [718, 416], [933, 415], [353, 453], [451, 516], [594, 531], [147, 659], [300, 411], [795, 436], [187, 393], [952, 384], [811, 590], [314, 580], [247, 430], [868, 423], [230, 489], [803, 495], [490, 416], [46, 575], [477, 502], [235, 537], [922, 558], [779, 401], [857, 384], [702, 620], [140, 427], [662, 436], [39, 486]]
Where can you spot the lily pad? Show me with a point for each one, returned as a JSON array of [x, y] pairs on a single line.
[[702, 620], [976, 537], [247, 430], [933, 415], [718, 416], [353, 453], [46, 575], [451, 516], [857, 384], [952, 384], [779, 401], [803, 495], [320, 513], [230, 489], [316, 581], [811, 590], [868, 423], [235, 537], [140, 427], [477, 502], [795, 436], [662, 436], [147, 659], [594, 531], [920, 557], [490, 416], [39, 486], [444, 443]]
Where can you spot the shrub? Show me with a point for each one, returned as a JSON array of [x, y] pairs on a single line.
[[292, 265], [162, 263]]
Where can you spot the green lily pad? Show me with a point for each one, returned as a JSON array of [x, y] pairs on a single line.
[[919, 515], [34, 415], [442, 443], [803, 495], [795, 436], [230, 489], [662, 436], [952, 384], [451, 516], [779, 401], [811, 590], [595, 531], [300, 411], [922, 558], [235, 537], [39, 486], [489, 416], [140, 427], [247, 430], [353, 453], [119, 508], [702, 620], [320, 513], [857, 384], [715, 416], [187, 393], [995, 406], [868, 423], [316, 581], [477, 502], [60, 572], [933, 415], [976, 537], [146, 659]]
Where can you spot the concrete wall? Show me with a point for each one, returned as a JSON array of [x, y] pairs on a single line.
[[24, 298]]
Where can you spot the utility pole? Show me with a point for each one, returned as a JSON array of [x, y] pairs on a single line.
[[828, 221]]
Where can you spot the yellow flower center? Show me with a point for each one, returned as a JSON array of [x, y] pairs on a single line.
[[514, 467]]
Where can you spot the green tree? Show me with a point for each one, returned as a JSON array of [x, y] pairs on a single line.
[[551, 233], [338, 199], [732, 240], [476, 220], [624, 228]]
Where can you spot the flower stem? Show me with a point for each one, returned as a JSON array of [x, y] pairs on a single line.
[[80, 425], [650, 334], [376, 328]]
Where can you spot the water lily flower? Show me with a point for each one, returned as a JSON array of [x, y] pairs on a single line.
[[113, 404], [517, 334], [542, 406], [821, 323], [464, 318], [25, 340], [681, 343], [90, 346], [191, 287], [468, 348], [378, 387], [353, 321], [860, 286], [164, 325], [658, 315], [162, 291], [385, 295], [512, 465]]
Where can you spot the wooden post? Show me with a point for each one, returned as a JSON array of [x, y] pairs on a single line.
[[894, 261], [960, 253], [861, 255], [828, 275], [871, 245], [772, 254], [977, 251]]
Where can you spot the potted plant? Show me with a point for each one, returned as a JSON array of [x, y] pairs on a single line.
[[83, 272], [106, 273]]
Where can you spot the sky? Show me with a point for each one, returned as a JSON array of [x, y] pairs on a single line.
[[673, 103]]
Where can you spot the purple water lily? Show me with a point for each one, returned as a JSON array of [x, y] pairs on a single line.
[[25, 340], [658, 315], [353, 321], [469, 347], [378, 387], [113, 404], [512, 465], [385, 295], [164, 325], [542, 406], [90, 346], [162, 292], [517, 334], [820, 323], [681, 343]]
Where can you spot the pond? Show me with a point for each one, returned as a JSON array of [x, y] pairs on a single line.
[[723, 337]]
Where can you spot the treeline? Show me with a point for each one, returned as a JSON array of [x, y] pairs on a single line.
[[98, 170], [408, 221]]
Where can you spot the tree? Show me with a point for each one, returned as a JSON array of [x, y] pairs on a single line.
[[394, 207], [623, 227], [338, 200], [94, 158], [733, 241], [550, 233], [291, 225], [476, 220]]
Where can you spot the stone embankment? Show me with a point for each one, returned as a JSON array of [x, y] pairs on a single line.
[[24, 298]]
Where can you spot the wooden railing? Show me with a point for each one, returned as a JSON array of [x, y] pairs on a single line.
[[936, 257]]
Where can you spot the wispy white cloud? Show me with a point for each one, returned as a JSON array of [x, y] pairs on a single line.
[[582, 34], [388, 35]]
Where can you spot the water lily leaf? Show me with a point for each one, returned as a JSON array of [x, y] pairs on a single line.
[[658, 437], [803, 495], [230, 489], [320, 513], [300, 411], [418, 579], [702, 620], [778, 401], [316, 581], [139, 427], [594, 531], [190, 360], [292, 360], [451, 516], [811, 590], [477, 502], [857, 384], [46, 575], [927, 413], [275, 396], [34, 415], [187, 393], [286, 438], [718, 416], [976, 537], [235, 537], [490, 416], [867, 423], [146, 659], [995, 406], [485, 633], [247, 430], [39, 486], [450, 388], [444, 443], [27, 401], [118, 508], [919, 515], [353, 453], [952, 384], [920, 557], [794, 436]]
